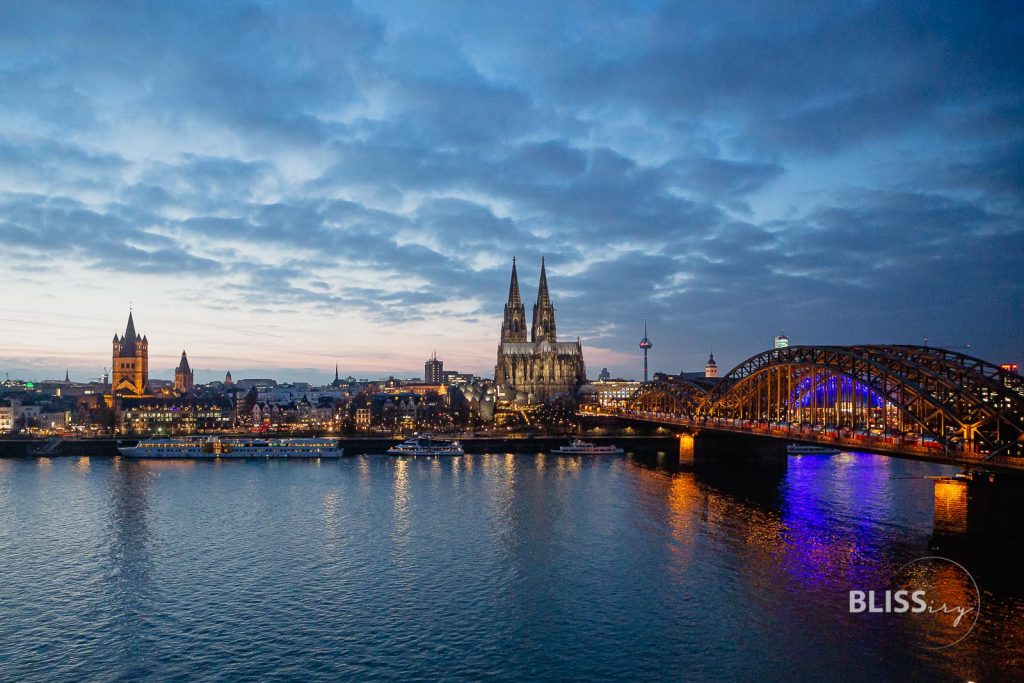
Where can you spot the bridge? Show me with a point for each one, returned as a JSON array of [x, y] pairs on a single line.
[[906, 400]]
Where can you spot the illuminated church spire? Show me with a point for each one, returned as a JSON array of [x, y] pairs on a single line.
[[513, 327], [543, 311]]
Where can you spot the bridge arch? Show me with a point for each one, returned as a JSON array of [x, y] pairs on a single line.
[[676, 398], [951, 401]]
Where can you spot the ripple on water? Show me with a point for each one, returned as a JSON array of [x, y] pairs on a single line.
[[497, 566]]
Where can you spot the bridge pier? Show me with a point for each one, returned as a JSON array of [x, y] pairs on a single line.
[[980, 510], [717, 449]]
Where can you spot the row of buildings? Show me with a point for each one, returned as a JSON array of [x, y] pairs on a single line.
[[533, 367]]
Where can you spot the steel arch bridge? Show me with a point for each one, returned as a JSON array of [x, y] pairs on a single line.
[[894, 397]]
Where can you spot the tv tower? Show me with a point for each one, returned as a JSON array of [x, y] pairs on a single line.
[[645, 344]]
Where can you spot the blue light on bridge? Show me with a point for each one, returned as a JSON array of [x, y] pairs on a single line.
[[822, 393]]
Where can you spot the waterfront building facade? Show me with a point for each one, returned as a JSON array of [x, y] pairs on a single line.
[[610, 393], [165, 416], [541, 367]]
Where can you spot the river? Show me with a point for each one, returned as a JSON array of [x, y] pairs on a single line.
[[504, 567]]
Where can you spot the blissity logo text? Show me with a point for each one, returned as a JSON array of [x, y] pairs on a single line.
[[899, 602], [938, 594]]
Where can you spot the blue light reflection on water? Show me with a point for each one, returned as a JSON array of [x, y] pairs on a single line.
[[512, 567]]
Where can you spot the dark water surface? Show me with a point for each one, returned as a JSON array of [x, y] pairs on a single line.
[[495, 566]]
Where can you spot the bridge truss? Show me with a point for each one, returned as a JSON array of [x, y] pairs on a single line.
[[941, 399]]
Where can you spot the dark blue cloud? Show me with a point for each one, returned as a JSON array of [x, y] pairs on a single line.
[[849, 171]]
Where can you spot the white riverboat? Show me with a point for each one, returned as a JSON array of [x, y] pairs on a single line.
[[426, 445], [808, 449], [578, 447], [221, 447]]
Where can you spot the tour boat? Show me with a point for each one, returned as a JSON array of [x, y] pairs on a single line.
[[578, 447], [218, 447], [425, 445], [805, 449]]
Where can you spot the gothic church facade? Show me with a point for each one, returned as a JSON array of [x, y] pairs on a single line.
[[542, 367]]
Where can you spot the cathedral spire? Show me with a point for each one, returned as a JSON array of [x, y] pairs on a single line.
[[542, 291], [543, 311], [513, 327], [513, 286]]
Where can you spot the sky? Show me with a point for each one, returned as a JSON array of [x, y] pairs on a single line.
[[277, 187]]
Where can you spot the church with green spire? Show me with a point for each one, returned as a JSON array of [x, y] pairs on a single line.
[[542, 367]]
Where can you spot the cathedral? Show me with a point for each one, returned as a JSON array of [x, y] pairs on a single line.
[[542, 367], [130, 363]]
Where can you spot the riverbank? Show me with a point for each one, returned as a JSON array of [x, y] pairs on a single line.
[[107, 447]]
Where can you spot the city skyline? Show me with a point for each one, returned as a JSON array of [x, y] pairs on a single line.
[[277, 190]]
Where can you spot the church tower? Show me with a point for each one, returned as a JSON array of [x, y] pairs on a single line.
[[131, 362], [513, 327], [543, 311], [183, 377], [711, 369]]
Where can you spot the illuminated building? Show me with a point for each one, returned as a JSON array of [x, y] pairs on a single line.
[[6, 418], [183, 378], [612, 393], [711, 369], [781, 341], [228, 382], [1009, 367], [130, 362], [542, 367], [148, 415], [433, 370]]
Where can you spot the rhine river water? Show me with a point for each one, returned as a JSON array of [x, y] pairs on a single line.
[[512, 567]]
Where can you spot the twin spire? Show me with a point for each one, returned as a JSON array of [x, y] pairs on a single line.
[[543, 311], [513, 327]]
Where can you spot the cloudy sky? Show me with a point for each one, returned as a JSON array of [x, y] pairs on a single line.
[[279, 186]]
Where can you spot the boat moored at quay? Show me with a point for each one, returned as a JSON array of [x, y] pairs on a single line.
[[427, 445], [578, 447], [218, 447]]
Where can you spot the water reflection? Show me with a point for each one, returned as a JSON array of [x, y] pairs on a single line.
[[822, 528], [364, 473], [525, 567], [131, 593], [330, 514], [401, 502]]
